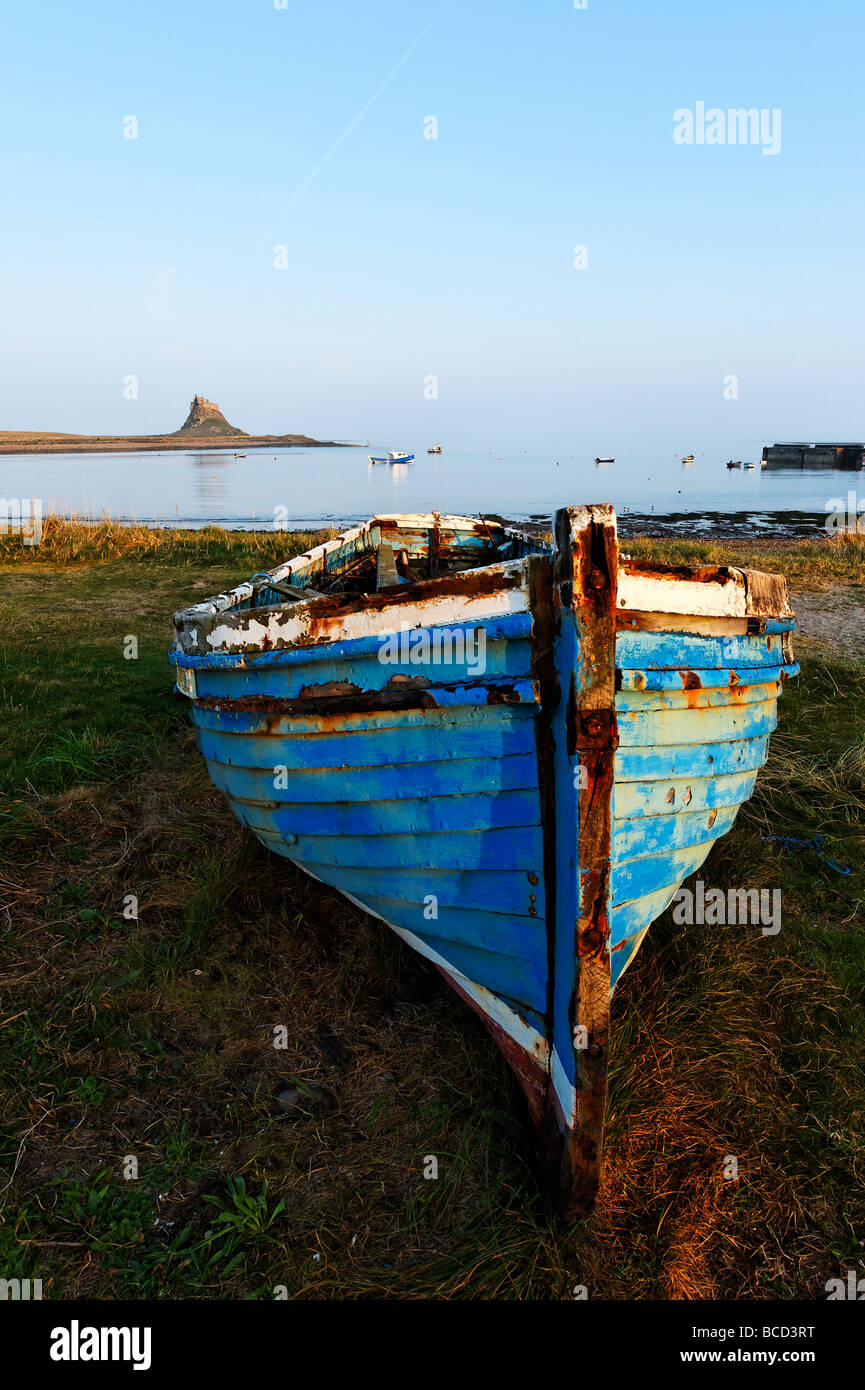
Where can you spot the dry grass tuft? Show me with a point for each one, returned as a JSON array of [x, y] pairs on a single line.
[[75, 542]]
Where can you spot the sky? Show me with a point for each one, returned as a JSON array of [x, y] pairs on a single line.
[[284, 237]]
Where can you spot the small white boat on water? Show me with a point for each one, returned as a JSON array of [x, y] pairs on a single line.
[[393, 456]]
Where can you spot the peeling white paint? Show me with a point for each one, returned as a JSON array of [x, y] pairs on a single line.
[[565, 1091], [642, 593], [299, 624], [284, 625]]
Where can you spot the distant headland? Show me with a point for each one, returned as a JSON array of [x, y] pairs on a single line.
[[205, 427]]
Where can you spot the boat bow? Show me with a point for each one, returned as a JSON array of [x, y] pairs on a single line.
[[511, 750]]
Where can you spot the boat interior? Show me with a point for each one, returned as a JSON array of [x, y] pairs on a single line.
[[390, 551], [391, 558]]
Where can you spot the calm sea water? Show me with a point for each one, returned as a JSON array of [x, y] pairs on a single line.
[[302, 486]]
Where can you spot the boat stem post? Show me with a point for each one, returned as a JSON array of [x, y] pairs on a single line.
[[585, 738]]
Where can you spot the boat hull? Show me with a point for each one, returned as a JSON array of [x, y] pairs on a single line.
[[514, 768]]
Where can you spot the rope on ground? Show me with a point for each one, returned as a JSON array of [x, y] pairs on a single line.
[[790, 842]]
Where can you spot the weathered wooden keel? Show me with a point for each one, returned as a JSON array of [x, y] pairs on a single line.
[[579, 742]]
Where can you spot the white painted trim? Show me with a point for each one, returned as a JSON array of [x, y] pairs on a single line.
[[638, 592], [290, 569], [232, 598], [652, 593], [299, 624], [424, 521], [643, 593], [565, 1092]]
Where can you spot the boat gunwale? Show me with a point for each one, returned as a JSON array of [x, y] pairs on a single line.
[[745, 594], [326, 620], [408, 521]]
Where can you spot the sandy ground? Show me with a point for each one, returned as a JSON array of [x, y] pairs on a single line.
[[832, 617]]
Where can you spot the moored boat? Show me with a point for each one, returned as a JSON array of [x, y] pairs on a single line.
[[393, 456], [510, 749]]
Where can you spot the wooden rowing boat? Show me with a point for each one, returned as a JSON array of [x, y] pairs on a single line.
[[510, 749]]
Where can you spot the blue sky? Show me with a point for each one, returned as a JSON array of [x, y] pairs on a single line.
[[410, 257]]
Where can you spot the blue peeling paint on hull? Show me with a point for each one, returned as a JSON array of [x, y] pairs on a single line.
[[455, 789], [435, 813]]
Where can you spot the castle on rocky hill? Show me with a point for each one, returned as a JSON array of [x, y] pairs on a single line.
[[205, 417]]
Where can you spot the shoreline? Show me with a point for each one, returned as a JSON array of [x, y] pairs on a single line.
[[757, 528], [760, 531], [121, 444], [754, 527]]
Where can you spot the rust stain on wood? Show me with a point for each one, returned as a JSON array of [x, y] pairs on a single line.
[[595, 577], [766, 595], [694, 574]]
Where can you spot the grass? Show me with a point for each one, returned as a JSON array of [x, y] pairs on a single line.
[[77, 543], [812, 563], [150, 1037]]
